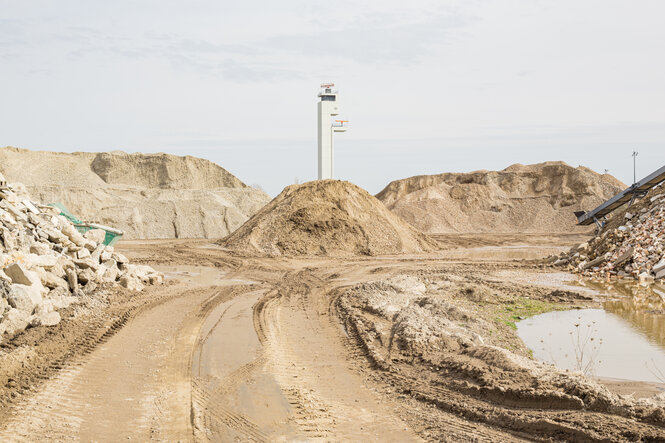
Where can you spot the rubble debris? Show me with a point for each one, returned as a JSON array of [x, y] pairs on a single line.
[[631, 245], [46, 264]]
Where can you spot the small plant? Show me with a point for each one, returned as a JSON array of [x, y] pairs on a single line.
[[586, 347], [656, 371]]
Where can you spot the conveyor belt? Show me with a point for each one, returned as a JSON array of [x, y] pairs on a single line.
[[638, 189]]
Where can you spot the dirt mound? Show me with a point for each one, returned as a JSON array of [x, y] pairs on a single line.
[[162, 171], [146, 195], [326, 217], [533, 198]]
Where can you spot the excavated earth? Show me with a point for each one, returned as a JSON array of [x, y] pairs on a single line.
[[145, 195], [326, 217], [539, 198], [385, 348]]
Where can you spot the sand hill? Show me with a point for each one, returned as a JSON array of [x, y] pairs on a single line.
[[327, 217], [146, 195], [529, 199]]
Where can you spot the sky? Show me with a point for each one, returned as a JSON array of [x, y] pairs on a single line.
[[428, 86]]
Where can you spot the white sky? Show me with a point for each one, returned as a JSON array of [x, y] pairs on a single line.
[[429, 86]]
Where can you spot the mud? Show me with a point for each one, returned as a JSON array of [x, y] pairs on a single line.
[[404, 348]]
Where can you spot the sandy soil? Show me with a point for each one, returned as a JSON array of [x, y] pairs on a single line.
[[521, 198], [145, 195], [283, 349]]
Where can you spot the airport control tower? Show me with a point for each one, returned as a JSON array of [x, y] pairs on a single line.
[[328, 107]]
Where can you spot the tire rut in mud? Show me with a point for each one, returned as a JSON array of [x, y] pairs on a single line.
[[479, 412]]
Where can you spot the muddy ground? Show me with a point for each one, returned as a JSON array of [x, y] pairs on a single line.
[[398, 348]]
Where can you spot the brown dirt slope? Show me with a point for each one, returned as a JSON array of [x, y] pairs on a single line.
[[146, 195], [326, 217], [532, 198]]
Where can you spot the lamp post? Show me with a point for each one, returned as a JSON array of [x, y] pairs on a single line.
[[635, 153]]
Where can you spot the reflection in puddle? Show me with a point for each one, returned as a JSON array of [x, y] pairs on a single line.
[[625, 339], [596, 341]]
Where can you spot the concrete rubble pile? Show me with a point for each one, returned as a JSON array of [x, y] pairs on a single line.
[[631, 245], [46, 264]]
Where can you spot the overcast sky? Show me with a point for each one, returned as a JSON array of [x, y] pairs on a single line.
[[429, 86]]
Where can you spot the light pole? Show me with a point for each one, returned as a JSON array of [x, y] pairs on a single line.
[[635, 153]]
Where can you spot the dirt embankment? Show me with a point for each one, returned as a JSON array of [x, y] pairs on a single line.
[[326, 217], [533, 198], [146, 195], [443, 337]]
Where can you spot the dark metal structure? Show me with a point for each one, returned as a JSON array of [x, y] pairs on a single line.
[[628, 195]]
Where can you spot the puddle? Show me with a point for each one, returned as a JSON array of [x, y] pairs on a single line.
[[509, 252], [624, 340], [200, 275]]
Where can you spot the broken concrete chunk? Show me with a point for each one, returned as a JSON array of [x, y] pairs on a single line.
[[623, 257], [118, 257], [110, 275], [52, 281], [45, 319], [40, 248], [4, 305], [30, 207], [96, 235], [8, 239], [86, 263], [82, 253], [19, 274], [97, 253], [72, 279], [659, 266], [24, 297], [70, 231], [44, 261], [15, 321], [131, 283], [87, 275], [595, 262], [110, 263]]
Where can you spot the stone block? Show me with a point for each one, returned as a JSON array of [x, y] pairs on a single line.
[[45, 319], [24, 297], [19, 274], [15, 321], [96, 235]]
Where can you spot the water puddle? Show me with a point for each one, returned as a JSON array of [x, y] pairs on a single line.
[[504, 252], [202, 275], [623, 340]]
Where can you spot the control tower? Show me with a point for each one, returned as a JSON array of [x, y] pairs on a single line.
[[328, 107]]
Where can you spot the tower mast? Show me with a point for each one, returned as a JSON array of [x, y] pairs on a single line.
[[328, 107]]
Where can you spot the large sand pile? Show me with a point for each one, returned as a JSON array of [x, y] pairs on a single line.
[[327, 217], [532, 198], [146, 195]]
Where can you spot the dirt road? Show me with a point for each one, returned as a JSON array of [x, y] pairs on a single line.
[[256, 349]]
